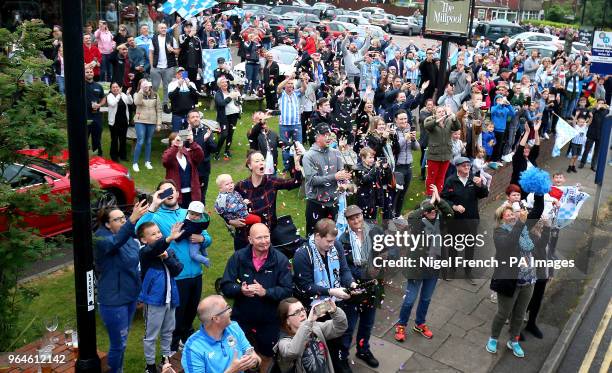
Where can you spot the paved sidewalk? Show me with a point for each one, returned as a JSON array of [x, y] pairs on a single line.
[[460, 314]]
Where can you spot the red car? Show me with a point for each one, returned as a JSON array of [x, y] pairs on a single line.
[[334, 28], [112, 178]]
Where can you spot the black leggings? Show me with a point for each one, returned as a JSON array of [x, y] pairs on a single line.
[[190, 291], [499, 146], [227, 133], [536, 300], [271, 98], [118, 133]]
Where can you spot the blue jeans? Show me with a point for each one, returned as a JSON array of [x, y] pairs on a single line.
[[61, 86], [286, 133], [569, 104], [252, 76], [106, 69], [117, 320], [365, 314], [178, 122], [144, 135], [427, 287]]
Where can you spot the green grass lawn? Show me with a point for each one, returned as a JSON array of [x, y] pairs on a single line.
[[57, 290]]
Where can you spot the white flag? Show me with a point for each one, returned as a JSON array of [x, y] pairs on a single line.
[[565, 132]]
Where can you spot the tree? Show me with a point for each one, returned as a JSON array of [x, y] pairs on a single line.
[[558, 13], [33, 116], [596, 15]]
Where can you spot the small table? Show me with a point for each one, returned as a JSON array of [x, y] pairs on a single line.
[[64, 363]]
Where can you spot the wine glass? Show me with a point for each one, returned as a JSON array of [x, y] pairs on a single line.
[[51, 324], [68, 330]]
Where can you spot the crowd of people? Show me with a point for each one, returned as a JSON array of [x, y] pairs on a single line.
[[355, 114]]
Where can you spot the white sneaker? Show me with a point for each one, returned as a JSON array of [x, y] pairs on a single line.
[[148, 165], [508, 157], [546, 136], [493, 297], [135, 167]]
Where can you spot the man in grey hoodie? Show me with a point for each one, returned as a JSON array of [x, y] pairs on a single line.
[[531, 65], [323, 169], [452, 100], [352, 54]]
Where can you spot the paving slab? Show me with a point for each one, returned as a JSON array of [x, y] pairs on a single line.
[[417, 343], [391, 357], [479, 336], [459, 299], [485, 309], [536, 351], [464, 356], [422, 364], [454, 330], [466, 322]]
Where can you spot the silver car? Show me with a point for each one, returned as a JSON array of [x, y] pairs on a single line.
[[404, 25]]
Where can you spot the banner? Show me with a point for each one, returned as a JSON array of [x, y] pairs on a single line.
[[601, 53], [209, 59], [571, 202], [451, 17], [565, 132]]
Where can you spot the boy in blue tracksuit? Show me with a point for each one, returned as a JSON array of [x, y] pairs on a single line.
[[500, 113], [159, 294], [165, 213]]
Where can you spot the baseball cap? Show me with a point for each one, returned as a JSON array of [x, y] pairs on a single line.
[[322, 129], [352, 210], [180, 69], [461, 160], [220, 60], [196, 206]]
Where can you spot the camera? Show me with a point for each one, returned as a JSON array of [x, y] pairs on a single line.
[[382, 160]]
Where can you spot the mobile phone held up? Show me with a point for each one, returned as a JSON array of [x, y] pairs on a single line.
[[322, 308], [165, 194], [184, 75], [184, 134]]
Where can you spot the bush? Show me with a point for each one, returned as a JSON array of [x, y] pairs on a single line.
[[537, 22]]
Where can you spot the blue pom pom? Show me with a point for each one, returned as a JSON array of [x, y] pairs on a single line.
[[535, 180]]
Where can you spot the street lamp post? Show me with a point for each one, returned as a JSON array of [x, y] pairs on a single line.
[[76, 104]]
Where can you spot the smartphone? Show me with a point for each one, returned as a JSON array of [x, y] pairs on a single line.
[[516, 207], [166, 193], [184, 75], [322, 308], [145, 197], [184, 134], [382, 160]]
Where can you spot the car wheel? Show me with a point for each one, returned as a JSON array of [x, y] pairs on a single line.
[[409, 32]]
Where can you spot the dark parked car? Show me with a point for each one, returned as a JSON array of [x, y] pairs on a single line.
[[495, 29], [283, 9]]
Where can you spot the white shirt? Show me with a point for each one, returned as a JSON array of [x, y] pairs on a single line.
[[183, 164], [162, 59]]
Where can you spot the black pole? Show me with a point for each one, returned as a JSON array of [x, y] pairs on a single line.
[[443, 68], [76, 103], [584, 2]]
